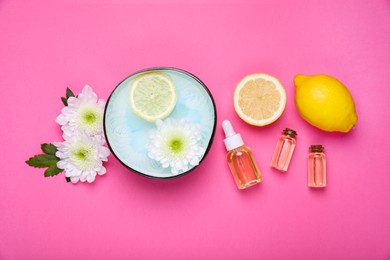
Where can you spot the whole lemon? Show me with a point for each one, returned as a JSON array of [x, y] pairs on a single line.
[[325, 102]]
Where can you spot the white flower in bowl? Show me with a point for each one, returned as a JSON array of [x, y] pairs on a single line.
[[175, 144]]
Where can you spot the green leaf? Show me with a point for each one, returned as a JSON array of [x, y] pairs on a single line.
[[49, 149], [67, 179], [69, 93], [47, 160], [65, 101], [42, 160], [53, 170]]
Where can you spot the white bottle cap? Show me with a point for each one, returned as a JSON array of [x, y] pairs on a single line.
[[232, 140]]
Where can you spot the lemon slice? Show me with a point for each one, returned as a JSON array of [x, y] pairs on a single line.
[[152, 96], [259, 99]]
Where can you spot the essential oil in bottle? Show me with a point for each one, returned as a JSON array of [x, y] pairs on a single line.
[[240, 158], [284, 150], [316, 167]]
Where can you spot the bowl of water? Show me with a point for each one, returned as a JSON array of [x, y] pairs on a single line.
[[127, 134]]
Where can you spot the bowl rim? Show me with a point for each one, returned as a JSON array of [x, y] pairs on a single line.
[[212, 134]]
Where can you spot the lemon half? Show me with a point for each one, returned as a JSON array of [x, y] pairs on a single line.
[[152, 96], [259, 99]]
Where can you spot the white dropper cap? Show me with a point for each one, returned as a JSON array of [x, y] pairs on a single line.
[[232, 139]]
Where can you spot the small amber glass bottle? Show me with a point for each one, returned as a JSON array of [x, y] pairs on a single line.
[[240, 159], [316, 167], [284, 150]]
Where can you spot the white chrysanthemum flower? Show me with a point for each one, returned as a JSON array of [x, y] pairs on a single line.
[[84, 113], [175, 144], [82, 156]]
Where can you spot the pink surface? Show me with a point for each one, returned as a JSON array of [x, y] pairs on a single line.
[[47, 46]]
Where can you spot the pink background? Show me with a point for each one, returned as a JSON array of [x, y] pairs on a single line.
[[46, 46]]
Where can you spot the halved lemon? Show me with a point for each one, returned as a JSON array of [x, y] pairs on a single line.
[[259, 99], [152, 96]]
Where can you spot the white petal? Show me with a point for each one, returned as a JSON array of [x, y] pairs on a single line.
[[70, 172], [76, 172], [61, 119], [58, 144], [101, 103], [179, 165], [72, 101], [104, 152], [84, 175], [67, 173], [194, 161], [165, 165], [61, 164], [102, 170], [91, 177], [68, 132], [87, 94], [74, 179]]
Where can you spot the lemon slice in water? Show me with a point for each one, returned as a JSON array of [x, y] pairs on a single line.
[[152, 96]]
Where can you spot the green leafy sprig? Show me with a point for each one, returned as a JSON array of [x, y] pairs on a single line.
[[46, 160], [49, 159]]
